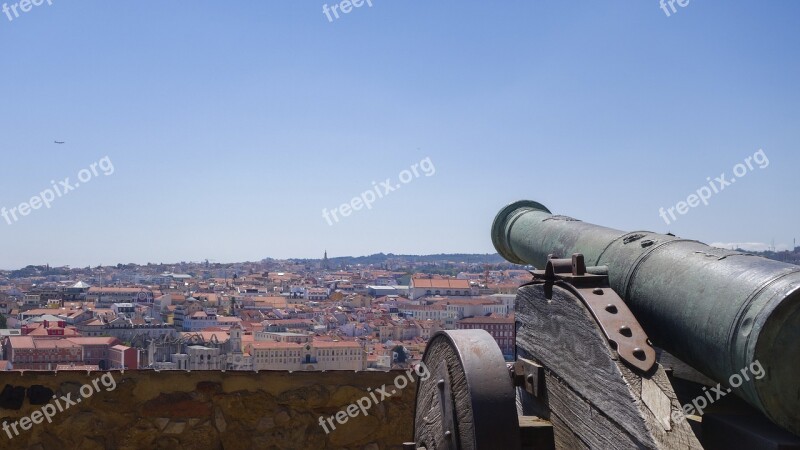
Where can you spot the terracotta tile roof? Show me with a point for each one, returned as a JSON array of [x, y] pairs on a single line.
[[275, 344], [41, 311], [336, 344], [21, 342], [94, 340], [41, 331], [316, 343], [29, 343], [271, 301], [228, 320], [488, 319], [437, 283]]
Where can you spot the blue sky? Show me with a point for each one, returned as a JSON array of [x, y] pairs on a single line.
[[232, 125]]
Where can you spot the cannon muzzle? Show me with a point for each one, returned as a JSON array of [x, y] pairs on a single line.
[[732, 316]]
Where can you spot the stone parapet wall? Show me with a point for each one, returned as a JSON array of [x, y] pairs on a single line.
[[209, 410]]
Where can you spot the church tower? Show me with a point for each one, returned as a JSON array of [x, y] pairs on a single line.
[[236, 339]]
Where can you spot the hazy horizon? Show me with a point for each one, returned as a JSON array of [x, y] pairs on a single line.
[[319, 258]]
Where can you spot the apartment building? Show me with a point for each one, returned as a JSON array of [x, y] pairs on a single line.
[[425, 312], [123, 357], [501, 328], [28, 353], [466, 307], [110, 295], [201, 319], [424, 287], [309, 355]]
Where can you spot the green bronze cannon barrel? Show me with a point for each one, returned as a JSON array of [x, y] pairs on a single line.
[[726, 313]]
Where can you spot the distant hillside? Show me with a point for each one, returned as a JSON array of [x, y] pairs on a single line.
[[792, 257], [382, 258]]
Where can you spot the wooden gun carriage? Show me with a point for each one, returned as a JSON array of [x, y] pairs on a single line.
[[659, 343]]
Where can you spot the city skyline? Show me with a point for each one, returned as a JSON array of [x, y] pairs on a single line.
[[482, 258]]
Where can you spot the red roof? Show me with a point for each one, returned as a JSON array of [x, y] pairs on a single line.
[[488, 319], [439, 283]]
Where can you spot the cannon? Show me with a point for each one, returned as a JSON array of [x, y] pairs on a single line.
[[623, 340]]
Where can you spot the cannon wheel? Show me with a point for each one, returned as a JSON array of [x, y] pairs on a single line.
[[468, 401]]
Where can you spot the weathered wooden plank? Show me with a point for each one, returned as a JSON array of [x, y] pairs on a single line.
[[583, 419], [592, 394], [565, 438], [535, 433], [452, 409]]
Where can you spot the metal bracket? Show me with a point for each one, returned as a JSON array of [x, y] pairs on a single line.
[[624, 333], [528, 375]]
